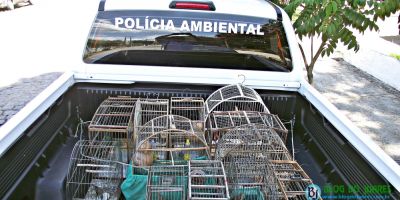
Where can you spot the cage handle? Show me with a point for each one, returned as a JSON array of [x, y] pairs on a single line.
[[244, 78]]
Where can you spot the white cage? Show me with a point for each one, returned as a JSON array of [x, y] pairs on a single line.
[[146, 110], [167, 182], [234, 98], [254, 150], [246, 152], [221, 122], [191, 108], [207, 180], [113, 121], [94, 171], [169, 139]]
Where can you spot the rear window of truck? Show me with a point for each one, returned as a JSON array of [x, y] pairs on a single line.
[[188, 39]]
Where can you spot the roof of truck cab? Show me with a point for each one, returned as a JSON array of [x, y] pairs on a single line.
[[256, 8]]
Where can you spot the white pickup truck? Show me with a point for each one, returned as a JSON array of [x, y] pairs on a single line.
[[183, 51]]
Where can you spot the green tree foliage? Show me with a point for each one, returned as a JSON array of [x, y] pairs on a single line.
[[334, 21]]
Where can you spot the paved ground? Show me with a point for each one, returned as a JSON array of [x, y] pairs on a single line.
[[372, 105], [394, 39], [16, 96]]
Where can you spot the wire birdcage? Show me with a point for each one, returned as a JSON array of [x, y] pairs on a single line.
[[226, 120], [222, 121], [191, 108], [235, 98], [245, 152], [94, 171], [207, 180], [169, 139], [250, 176], [113, 121], [146, 110], [257, 149], [167, 182], [291, 178]]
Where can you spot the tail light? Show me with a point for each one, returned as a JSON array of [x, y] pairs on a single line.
[[192, 5]]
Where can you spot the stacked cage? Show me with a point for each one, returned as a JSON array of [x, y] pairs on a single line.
[[207, 180], [169, 139], [191, 108], [167, 182], [146, 110], [113, 121], [245, 152], [222, 121], [225, 101], [251, 144], [93, 171], [291, 178]]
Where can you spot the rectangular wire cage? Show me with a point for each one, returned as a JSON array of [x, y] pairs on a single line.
[[258, 164], [113, 121], [246, 153], [207, 180], [94, 171], [191, 108], [222, 121], [168, 182], [250, 176], [291, 178], [146, 110]]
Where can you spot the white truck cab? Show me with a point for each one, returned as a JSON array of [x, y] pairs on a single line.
[[231, 17], [189, 51]]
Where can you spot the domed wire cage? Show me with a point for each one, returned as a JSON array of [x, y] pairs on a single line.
[[235, 98], [231, 98], [94, 170], [255, 154], [169, 139]]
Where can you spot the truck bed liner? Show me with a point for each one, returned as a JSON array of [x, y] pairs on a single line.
[[320, 149]]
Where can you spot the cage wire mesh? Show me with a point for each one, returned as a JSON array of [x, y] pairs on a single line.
[[207, 180], [169, 182], [235, 98], [146, 110], [245, 152], [112, 121], [253, 149], [169, 139], [225, 120], [94, 172], [291, 178], [222, 121], [191, 108]]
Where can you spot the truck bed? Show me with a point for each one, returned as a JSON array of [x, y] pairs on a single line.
[[35, 167]]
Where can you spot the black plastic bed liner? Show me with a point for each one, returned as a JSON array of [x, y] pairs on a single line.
[[36, 165]]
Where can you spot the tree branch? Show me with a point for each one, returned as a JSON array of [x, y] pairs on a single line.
[[315, 57], [304, 55]]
